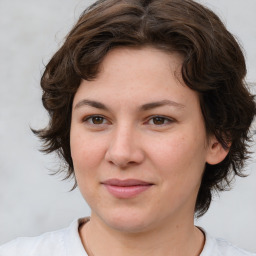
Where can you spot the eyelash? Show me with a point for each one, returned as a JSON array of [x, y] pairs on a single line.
[[166, 120], [91, 117]]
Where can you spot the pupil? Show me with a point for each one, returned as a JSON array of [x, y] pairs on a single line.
[[97, 120], [158, 120]]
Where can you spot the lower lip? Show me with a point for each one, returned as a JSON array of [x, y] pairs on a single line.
[[126, 192]]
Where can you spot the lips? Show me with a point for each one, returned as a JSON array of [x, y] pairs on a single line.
[[126, 188]]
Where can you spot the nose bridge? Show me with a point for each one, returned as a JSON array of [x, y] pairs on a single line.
[[124, 148]]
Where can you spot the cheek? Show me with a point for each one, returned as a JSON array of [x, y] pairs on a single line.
[[85, 152], [179, 155], [86, 156], [169, 149]]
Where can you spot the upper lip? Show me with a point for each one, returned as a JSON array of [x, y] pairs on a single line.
[[125, 183]]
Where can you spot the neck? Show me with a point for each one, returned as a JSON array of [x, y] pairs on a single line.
[[179, 238]]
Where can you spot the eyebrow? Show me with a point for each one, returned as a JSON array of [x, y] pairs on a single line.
[[143, 107], [90, 103], [161, 103]]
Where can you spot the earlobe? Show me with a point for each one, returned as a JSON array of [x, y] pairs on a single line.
[[216, 152]]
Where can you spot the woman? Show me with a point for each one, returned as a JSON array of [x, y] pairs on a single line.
[[149, 110]]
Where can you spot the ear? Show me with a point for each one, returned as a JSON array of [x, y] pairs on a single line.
[[216, 153]]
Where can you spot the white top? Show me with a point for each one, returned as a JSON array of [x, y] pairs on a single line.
[[67, 242]]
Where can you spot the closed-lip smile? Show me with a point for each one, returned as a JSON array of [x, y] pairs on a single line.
[[125, 189]]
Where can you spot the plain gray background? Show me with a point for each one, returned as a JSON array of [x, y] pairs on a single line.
[[31, 201]]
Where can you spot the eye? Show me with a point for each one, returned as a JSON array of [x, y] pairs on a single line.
[[95, 120], [160, 120]]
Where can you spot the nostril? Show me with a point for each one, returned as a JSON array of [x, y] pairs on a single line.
[[122, 162], [124, 152]]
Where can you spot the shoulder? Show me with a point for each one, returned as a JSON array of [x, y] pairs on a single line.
[[45, 244], [221, 247], [226, 248], [57, 243]]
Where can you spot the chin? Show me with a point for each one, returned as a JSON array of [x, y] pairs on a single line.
[[128, 222]]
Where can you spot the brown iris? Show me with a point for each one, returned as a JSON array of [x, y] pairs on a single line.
[[158, 120], [97, 120]]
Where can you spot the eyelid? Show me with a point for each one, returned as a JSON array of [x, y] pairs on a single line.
[[169, 119], [85, 119]]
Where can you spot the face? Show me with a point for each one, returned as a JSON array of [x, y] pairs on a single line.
[[138, 141]]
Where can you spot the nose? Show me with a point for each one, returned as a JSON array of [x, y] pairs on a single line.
[[125, 149]]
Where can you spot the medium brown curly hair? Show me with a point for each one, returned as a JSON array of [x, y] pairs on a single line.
[[213, 65]]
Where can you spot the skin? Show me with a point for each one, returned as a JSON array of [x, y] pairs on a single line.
[[126, 141]]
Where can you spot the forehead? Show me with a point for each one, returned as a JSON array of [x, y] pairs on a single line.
[[138, 76], [140, 60]]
